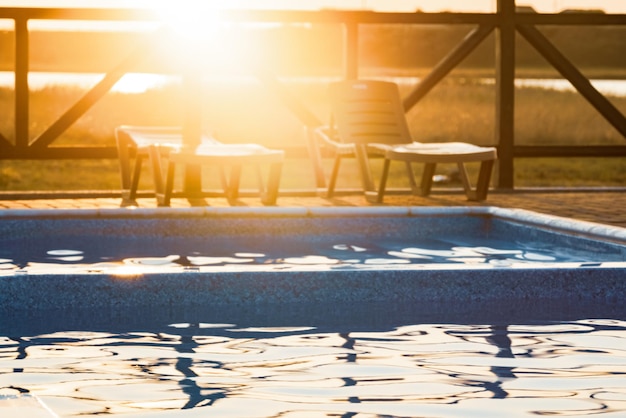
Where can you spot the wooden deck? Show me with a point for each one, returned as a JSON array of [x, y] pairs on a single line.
[[605, 206]]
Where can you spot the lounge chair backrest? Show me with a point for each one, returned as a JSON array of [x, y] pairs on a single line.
[[367, 111]]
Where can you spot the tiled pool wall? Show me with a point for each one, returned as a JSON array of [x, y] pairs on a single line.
[[428, 288]]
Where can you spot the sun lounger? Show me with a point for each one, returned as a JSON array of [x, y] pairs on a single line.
[[166, 143], [368, 119]]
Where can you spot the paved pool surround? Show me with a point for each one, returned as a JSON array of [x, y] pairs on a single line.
[[429, 286]]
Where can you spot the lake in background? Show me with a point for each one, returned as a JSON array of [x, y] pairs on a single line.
[[134, 83]]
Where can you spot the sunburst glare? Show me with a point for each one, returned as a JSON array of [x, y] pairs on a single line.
[[192, 19], [196, 32]]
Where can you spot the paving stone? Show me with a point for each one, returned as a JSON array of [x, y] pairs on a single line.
[[606, 207]]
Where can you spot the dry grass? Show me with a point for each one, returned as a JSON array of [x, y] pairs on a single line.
[[459, 109]]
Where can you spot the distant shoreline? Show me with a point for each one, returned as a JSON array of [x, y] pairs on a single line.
[[137, 83]]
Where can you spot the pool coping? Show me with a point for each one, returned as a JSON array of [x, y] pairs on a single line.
[[614, 234]]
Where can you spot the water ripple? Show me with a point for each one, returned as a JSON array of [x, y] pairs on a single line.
[[318, 255], [572, 368]]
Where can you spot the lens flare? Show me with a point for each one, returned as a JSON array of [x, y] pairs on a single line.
[[191, 19]]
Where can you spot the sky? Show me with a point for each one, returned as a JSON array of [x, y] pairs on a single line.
[[545, 6]]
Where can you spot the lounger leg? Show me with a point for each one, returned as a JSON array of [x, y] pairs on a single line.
[[134, 185], [232, 194], [333, 177], [273, 182], [427, 179], [364, 166], [124, 160], [411, 175], [467, 186], [165, 198], [378, 197], [316, 157], [123, 153], [484, 176], [157, 170], [259, 180], [223, 179]]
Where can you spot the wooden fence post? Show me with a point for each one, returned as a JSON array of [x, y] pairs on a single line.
[[505, 93], [21, 84]]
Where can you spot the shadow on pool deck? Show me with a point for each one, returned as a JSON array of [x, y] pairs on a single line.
[[604, 206]]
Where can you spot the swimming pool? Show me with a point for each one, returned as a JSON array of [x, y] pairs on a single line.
[[311, 312], [303, 255]]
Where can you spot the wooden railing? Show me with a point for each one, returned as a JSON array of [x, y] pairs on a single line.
[[506, 23]]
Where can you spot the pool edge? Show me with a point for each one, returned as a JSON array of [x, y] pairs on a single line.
[[588, 229]]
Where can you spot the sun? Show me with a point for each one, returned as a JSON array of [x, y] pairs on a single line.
[[203, 30], [191, 19], [194, 31]]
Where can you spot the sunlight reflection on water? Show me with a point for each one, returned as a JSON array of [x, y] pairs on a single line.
[[574, 368], [116, 258]]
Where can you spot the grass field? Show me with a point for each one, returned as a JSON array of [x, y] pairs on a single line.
[[459, 109]]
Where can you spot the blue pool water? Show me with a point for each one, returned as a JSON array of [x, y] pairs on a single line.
[[224, 257], [394, 313], [339, 240]]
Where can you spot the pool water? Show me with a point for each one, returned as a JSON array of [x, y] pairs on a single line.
[[372, 368], [350, 239], [114, 254], [384, 312]]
